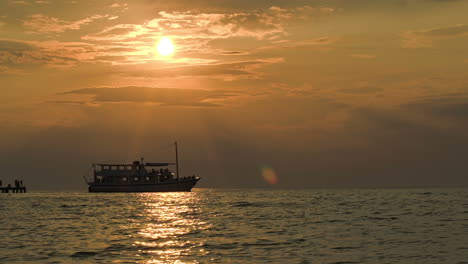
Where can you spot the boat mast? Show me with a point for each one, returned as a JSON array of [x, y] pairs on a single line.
[[177, 160]]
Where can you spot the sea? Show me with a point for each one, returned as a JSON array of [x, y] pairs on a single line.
[[237, 226]]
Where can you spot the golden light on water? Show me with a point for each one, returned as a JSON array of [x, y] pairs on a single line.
[[165, 47], [269, 175], [168, 221]]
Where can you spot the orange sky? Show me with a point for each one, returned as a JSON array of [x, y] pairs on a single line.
[[323, 93]]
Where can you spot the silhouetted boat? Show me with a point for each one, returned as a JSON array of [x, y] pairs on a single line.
[[140, 177]]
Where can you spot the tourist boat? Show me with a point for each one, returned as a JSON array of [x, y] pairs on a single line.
[[140, 177]]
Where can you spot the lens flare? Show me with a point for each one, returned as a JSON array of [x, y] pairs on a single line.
[[269, 175]]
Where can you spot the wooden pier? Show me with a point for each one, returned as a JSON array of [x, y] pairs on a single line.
[[19, 189]]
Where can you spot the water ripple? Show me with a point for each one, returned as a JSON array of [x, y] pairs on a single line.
[[237, 226]]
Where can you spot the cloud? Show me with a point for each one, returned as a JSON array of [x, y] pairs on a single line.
[[452, 31], [194, 26], [228, 71], [45, 24], [293, 44], [23, 2], [117, 32], [258, 24], [13, 45], [127, 59], [160, 96], [446, 1], [70, 102], [195, 34], [17, 52], [444, 108], [361, 90], [424, 38], [123, 6], [404, 140], [44, 53], [363, 56]]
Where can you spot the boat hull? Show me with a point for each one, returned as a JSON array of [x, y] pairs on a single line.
[[170, 186]]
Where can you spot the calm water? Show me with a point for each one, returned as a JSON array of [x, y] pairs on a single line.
[[237, 226]]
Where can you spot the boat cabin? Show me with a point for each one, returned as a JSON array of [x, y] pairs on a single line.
[[135, 173]]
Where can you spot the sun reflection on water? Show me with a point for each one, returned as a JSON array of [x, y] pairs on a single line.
[[167, 222]]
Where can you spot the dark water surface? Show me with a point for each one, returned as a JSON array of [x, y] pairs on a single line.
[[237, 226]]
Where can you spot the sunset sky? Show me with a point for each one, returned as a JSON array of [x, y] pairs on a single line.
[[258, 93]]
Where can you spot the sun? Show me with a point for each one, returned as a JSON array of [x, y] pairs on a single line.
[[165, 47]]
